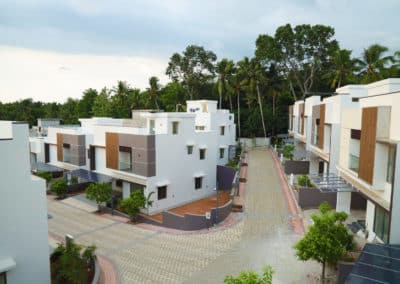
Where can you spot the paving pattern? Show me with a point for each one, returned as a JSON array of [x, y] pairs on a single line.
[[144, 256]]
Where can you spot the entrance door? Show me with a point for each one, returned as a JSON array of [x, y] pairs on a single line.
[[46, 153]]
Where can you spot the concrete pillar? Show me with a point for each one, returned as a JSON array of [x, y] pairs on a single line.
[[394, 237], [343, 200]]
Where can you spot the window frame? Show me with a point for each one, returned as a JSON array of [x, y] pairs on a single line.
[[189, 149], [381, 229], [198, 183], [202, 156], [390, 163], [175, 127], [221, 153], [4, 275], [222, 130], [164, 195]]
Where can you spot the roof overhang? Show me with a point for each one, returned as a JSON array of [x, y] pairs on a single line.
[[332, 183]]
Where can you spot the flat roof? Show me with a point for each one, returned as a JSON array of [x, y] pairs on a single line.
[[90, 176]]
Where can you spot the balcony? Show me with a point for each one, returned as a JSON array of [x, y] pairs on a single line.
[[353, 163]]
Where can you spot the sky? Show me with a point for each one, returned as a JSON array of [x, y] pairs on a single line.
[[51, 50]]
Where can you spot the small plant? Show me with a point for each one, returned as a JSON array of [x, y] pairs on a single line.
[[304, 181], [45, 175], [74, 180], [69, 264], [149, 202], [99, 192], [59, 187], [251, 277], [288, 151], [134, 203]]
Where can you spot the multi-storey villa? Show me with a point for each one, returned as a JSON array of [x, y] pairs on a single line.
[[354, 135], [24, 248], [174, 155]]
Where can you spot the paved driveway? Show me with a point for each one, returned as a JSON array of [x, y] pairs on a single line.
[[143, 256]]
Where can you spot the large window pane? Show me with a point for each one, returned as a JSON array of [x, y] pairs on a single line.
[[3, 278], [381, 224], [390, 165]]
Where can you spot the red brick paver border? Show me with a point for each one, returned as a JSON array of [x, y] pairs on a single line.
[[109, 273], [296, 222]]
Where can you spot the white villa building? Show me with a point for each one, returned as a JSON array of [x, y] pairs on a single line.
[[355, 134], [174, 154], [24, 248]]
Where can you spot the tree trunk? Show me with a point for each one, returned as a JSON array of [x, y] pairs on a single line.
[[292, 90], [230, 102], [261, 111], [220, 101], [238, 107], [323, 273]]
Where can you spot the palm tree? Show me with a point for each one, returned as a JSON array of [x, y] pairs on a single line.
[[236, 86], [343, 67], [225, 70], [153, 90], [373, 64], [254, 76]]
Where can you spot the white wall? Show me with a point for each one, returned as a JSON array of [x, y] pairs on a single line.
[[24, 212], [394, 237], [370, 216]]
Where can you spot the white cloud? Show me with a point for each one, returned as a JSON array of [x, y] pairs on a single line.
[[50, 76]]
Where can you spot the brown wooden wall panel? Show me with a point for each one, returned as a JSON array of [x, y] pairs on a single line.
[[290, 117], [59, 147], [321, 127], [367, 144], [112, 145]]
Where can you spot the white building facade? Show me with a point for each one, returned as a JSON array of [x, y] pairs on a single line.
[[174, 155], [24, 248]]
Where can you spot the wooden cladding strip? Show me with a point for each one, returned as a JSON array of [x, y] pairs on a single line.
[[321, 127], [367, 144], [301, 111], [112, 146], [59, 147]]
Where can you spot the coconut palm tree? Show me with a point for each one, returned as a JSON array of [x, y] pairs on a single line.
[[236, 86], [342, 67], [254, 76], [373, 64], [225, 70], [153, 90]]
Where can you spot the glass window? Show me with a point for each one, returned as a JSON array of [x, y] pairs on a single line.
[[198, 182], [381, 224], [222, 130], [390, 164], [202, 154], [221, 153], [199, 127], [161, 192], [3, 278], [190, 149], [175, 125]]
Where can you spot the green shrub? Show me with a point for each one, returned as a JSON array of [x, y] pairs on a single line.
[[45, 175], [305, 181], [99, 192], [288, 151], [251, 277], [74, 180], [134, 203], [59, 187]]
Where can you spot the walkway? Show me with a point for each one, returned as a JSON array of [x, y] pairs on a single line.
[[264, 237], [267, 237]]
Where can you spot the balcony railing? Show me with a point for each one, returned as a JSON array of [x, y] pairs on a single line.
[[123, 166], [353, 163]]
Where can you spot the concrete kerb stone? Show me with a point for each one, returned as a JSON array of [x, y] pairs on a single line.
[[296, 222]]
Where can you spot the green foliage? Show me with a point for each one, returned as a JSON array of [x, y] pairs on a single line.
[[305, 181], [288, 151], [70, 264], [134, 203], [74, 180], [192, 69], [251, 277], [327, 239], [45, 175], [149, 202], [59, 187], [100, 192]]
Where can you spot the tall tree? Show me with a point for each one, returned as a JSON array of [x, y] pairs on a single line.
[[298, 52], [254, 76], [85, 104], [69, 111], [224, 70], [120, 106], [102, 105], [237, 81], [153, 90], [192, 69], [342, 68], [373, 63]]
